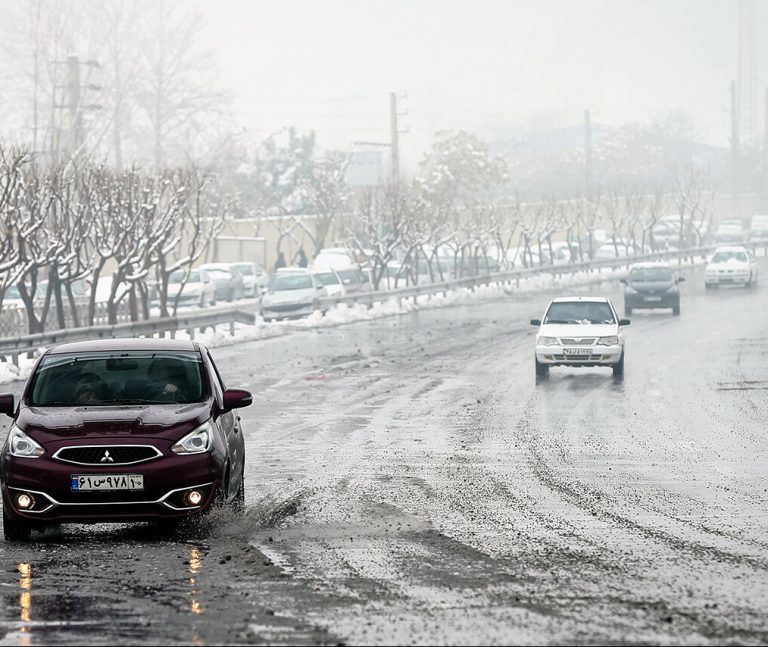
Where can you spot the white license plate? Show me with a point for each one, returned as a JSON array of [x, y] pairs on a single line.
[[577, 351], [653, 298], [106, 482]]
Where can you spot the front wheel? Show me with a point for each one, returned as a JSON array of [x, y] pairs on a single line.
[[542, 370], [618, 367], [15, 530]]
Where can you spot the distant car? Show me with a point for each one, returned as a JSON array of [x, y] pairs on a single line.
[[335, 258], [730, 231], [354, 279], [334, 286], [198, 289], [758, 228], [617, 249], [12, 299], [666, 233], [651, 285], [580, 331], [731, 265], [121, 430], [227, 280], [254, 277], [291, 292]]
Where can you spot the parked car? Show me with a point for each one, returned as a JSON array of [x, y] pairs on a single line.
[[120, 430], [227, 281], [335, 258], [651, 285], [579, 331], [614, 249], [666, 233], [254, 277], [291, 292], [334, 286], [730, 231], [758, 228], [354, 279], [193, 288], [731, 265]]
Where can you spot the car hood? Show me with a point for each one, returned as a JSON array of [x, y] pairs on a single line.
[[289, 296], [577, 330], [46, 424]]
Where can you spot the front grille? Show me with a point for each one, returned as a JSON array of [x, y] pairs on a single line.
[[570, 341], [288, 307], [577, 358], [101, 454]]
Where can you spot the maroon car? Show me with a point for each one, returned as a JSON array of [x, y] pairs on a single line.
[[121, 430]]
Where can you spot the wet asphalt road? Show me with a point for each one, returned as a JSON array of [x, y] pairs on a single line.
[[410, 482]]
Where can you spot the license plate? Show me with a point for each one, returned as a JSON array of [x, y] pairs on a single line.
[[106, 482], [577, 351], [653, 298]]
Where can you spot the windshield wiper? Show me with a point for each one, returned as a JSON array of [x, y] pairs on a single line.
[[559, 321]]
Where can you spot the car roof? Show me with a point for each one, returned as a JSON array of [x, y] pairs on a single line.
[[585, 299], [293, 270], [731, 248], [216, 266], [124, 344]]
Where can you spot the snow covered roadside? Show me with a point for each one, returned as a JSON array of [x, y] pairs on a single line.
[[343, 314]]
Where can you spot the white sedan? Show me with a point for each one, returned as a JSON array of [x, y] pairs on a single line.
[[580, 331], [732, 265]]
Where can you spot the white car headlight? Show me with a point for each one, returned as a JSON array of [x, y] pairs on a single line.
[[22, 446], [197, 441], [630, 290], [546, 341], [612, 340]]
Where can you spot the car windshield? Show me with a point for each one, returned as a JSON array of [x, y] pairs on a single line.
[[117, 378], [246, 269], [327, 278], [579, 312], [642, 274], [349, 275], [290, 282], [219, 274], [178, 277], [724, 257]]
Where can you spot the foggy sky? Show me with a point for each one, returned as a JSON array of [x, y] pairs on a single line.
[[330, 64]]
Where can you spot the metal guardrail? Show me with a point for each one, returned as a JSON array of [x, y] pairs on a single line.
[[15, 346]]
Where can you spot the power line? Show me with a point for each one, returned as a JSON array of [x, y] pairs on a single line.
[[444, 104]]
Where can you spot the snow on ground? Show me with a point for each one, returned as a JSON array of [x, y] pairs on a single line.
[[342, 314]]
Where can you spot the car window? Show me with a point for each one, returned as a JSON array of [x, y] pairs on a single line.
[[290, 282], [327, 278], [579, 312], [245, 269], [651, 274], [111, 378], [218, 384], [723, 257], [219, 274]]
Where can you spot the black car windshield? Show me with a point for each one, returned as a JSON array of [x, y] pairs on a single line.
[[290, 282], [643, 274], [579, 312], [117, 378]]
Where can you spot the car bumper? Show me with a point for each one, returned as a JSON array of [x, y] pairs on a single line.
[[742, 278], [166, 482], [287, 311], [597, 356], [639, 301]]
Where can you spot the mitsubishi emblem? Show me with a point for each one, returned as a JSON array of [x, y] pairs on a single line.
[[107, 458]]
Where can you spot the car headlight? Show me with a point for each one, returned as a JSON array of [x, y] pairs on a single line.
[[22, 446], [546, 341], [673, 289], [613, 340], [197, 441], [630, 290]]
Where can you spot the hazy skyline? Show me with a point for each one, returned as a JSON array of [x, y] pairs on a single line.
[[331, 65]]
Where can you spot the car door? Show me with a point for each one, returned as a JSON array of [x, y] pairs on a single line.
[[229, 424]]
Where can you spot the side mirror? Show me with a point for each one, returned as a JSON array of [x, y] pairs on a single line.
[[535, 322], [7, 404], [264, 290], [236, 399], [624, 281], [680, 279], [624, 322]]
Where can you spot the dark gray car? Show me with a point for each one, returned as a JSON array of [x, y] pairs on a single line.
[[651, 285]]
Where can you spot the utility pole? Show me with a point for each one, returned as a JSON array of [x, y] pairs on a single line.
[[393, 135], [735, 155], [74, 139], [765, 156]]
